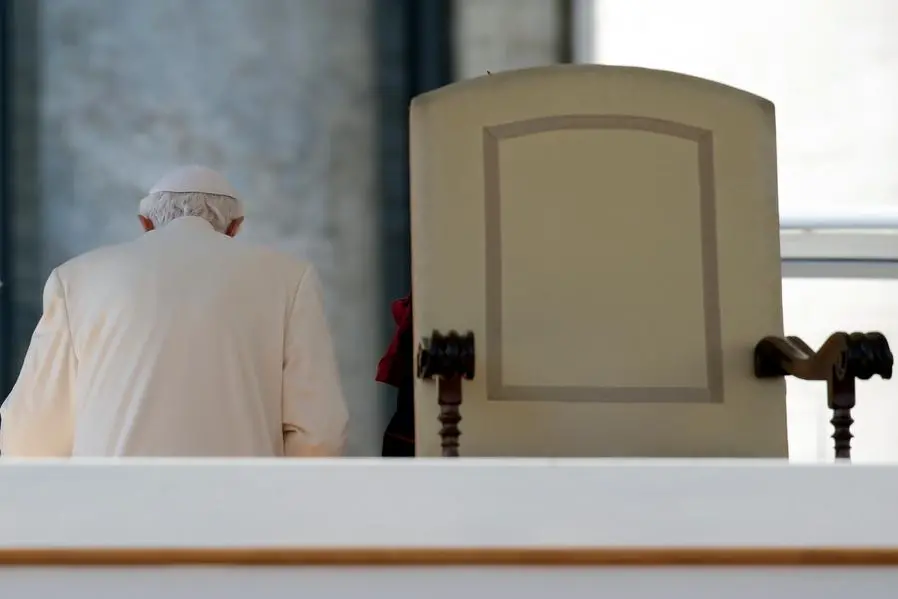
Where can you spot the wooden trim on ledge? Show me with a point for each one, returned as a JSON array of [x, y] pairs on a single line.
[[644, 557]]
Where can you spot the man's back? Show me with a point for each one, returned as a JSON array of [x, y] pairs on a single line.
[[186, 342], [179, 338]]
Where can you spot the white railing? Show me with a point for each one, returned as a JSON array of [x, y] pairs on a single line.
[[848, 220]]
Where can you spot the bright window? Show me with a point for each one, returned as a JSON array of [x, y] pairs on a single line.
[[831, 69]]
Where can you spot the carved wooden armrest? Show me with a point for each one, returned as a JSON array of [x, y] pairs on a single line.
[[449, 358], [840, 360]]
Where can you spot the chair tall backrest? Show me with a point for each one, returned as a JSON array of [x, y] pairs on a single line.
[[610, 237]]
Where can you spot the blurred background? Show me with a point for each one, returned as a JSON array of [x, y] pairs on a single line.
[[303, 105]]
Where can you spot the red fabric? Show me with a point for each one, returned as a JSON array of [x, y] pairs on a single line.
[[389, 369]]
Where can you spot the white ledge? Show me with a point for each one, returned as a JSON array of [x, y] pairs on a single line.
[[445, 503]]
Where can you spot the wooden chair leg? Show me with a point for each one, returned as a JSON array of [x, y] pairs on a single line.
[[448, 358]]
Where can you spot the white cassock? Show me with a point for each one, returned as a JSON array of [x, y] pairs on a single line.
[[184, 342]]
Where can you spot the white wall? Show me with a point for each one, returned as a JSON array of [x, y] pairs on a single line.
[[323, 507]]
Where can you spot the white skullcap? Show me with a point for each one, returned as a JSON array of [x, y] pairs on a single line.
[[195, 179]]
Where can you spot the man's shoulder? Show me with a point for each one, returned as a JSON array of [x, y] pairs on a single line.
[[248, 257], [276, 259], [92, 258]]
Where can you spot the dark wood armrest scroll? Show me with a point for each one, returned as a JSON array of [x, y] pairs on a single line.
[[841, 360], [448, 358]]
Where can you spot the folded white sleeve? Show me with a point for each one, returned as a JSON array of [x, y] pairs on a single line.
[[314, 409]]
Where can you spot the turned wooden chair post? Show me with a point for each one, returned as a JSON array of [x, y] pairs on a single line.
[[841, 400], [841, 360], [449, 359]]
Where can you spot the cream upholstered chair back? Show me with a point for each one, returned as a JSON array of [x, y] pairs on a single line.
[[609, 237]]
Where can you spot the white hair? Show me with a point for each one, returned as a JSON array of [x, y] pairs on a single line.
[[165, 206]]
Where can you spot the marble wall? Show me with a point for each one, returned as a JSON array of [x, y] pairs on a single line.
[[277, 94], [500, 35]]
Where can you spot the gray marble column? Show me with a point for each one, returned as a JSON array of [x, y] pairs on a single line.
[[500, 35], [277, 94]]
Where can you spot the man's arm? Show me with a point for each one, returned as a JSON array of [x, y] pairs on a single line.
[[38, 416], [315, 415]]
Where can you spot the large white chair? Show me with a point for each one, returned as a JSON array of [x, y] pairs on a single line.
[[605, 240]]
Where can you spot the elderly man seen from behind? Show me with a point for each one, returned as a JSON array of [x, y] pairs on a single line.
[[183, 342]]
